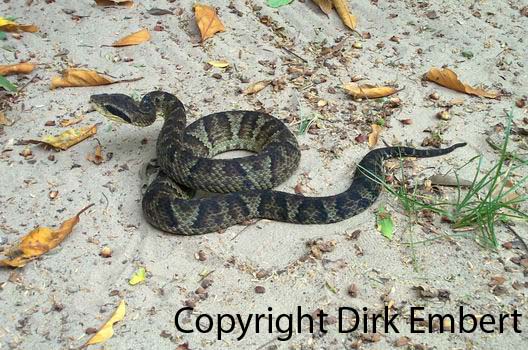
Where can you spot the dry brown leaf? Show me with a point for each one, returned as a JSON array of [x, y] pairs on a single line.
[[107, 330], [342, 10], [207, 21], [10, 26], [79, 77], [39, 241], [68, 138], [368, 91], [503, 189], [449, 79], [97, 156], [373, 137], [126, 3], [19, 68], [133, 39], [69, 122], [4, 121], [256, 87], [325, 5]]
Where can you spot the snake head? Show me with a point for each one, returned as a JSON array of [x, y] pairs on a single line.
[[120, 108]]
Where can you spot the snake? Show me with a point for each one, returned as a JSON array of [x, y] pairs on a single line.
[[241, 188]]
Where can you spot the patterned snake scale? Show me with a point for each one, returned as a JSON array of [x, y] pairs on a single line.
[[242, 184]]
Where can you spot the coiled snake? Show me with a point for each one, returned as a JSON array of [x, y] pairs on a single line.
[[184, 155]]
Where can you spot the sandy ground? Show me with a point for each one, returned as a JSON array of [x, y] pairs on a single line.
[[53, 302]]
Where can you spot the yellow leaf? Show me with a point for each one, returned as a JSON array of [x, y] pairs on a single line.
[[342, 10], [138, 276], [133, 39], [207, 21], [219, 64], [449, 79], [325, 5], [69, 122], [374, 135], [107, 331], [20, 68], [97, 156], [256, 87], [368, 91], [79, 77], [126, 3], [4, 120], [68, 138], [10, 26], [39, 241]]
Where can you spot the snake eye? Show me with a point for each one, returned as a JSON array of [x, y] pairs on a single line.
[[117, 113]]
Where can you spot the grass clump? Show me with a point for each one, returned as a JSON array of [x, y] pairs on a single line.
[[491, 199]]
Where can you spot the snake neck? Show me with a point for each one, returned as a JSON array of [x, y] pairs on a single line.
[[170, 137]]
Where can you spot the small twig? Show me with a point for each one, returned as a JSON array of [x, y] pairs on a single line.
[[32, 80], [267, 343], [293, 53], [518, 236]]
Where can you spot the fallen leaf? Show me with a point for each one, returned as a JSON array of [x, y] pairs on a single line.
[[159, 12], [449, 79], [325, 5], [10, 26], [126, 3], [107, 331], [39, 241], [79, 77], [68, 138], [374, 135], [384, 223], [504, 190], [256, 87], [97, 156], [6, 84], [277, 3], [133, 39], [69, 122], [368, 91], [446, 180], [138, 276], [219, 64], [342, 10], [207, 21], [4, 121], [19, 68]]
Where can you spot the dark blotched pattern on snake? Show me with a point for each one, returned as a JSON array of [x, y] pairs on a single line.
[[243, 184]]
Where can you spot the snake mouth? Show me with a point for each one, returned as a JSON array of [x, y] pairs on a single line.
[[108, 110]]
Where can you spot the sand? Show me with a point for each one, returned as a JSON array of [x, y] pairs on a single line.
[[54, 301]]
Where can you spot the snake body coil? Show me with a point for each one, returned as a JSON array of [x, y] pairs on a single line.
[[184, 155]]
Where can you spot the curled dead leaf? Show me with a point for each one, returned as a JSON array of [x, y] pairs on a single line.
[[325, 5], [256, 87], [39, 241], [69, 122], [207, 21], [78, 78], [11, 26], [19, 68], [4, 121], [68, 138], [368, 91], [97, 156], [107, 330], [125, 3], [449, 79], [219, 64], [136, 38], [346, 16], [373, 137]]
